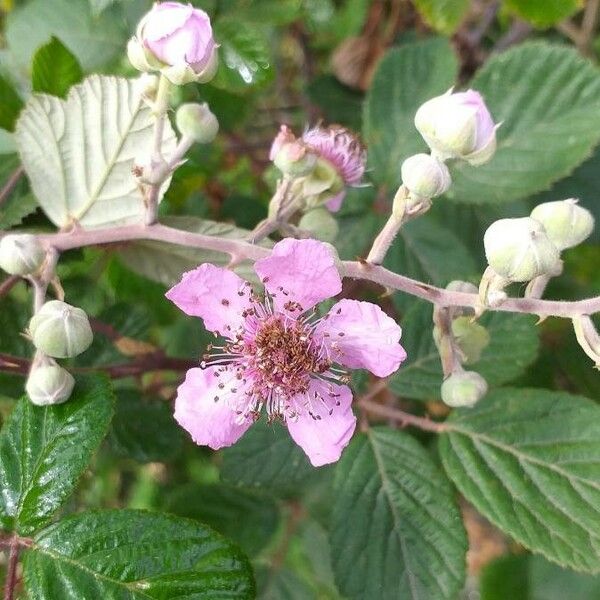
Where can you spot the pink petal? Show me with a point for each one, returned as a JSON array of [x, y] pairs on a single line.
[[302, 271], [361, 336], [164, 19], [334, 204], [210, 423], [217, 295], [320, 434]]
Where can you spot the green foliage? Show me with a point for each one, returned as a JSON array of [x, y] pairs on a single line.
[[396, 531], [92, 191], [144, 428], [95, 41], [54, 69], [406, 77], [10, 104], [548, 100], [528, 461], [544, 13], [225, 507], [130, 554], [44, 451], [513, 347], [443, 15], [267, 457]]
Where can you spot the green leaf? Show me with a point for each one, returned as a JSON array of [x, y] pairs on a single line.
[[144, 428], [428, 251], [506, 577], [548, 100], [529, 461], [79, 152], [244, 54], [544, 13], [406, 77], [248, 517], [55, 69], [549, 582], [10, 105], [165, 263], [396, 531], [339, 104], [443, 15], [267, 457], [44, 451], [513, 347], [130, 555], [95, 41], [15, 209]]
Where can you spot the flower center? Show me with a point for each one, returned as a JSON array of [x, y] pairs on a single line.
[[284, 355]]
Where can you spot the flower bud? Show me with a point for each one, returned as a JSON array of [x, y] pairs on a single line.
[[176, 39], [519, 249], [458, 126], [471, 338], [291, 155], [49, 384], [425, 176], [21, 254], [463, 388], [197, 122], [60, 330], [320, 223], [567, 224]]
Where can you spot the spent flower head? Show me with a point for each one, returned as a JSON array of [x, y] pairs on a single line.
[[278, 355]]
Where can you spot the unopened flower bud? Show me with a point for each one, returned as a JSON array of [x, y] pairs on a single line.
[[519, 249], [567, 224], [21, 254], [320, 223], [176, 39], [291, 155], [197, 122], [60, 330], [49, 384], [463, 388], [471, 338], [425, 176], [458, 126]]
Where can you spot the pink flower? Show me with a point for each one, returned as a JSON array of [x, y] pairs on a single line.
[[344, 151], [458, 126], [177, 39], [278, 355]]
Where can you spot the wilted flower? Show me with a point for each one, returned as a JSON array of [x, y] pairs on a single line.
[[278, 355], [176, 39], [458, 126], [343, 150]]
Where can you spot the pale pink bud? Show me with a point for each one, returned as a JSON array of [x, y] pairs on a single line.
[[458, 126], [178, 39]]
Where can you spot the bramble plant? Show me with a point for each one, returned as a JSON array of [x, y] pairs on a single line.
[[306, 397]]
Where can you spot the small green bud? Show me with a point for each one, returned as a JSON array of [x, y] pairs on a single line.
[[21, 254], [60, 330], [471, 338], [425, 176], [49, 384], [567, 224], [321, 223], [197, 122], [463, 388], [519, 249]]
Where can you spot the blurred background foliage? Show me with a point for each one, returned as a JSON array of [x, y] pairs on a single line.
[[368, 65]]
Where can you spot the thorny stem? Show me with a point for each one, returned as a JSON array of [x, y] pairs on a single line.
[[161, 106], [11, 183], [241, 250], [11, 572], [401, 417]]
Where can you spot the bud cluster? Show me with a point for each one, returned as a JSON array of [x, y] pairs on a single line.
[[528, 249]]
